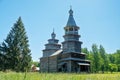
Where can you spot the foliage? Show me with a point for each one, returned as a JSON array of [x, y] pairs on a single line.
[[1, 61], [15, 49], [113, 67], [117, 57], [102, 61], [118, 65], [96, 58], [37, 64], [85, 50]]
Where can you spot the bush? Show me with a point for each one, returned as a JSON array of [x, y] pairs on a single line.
[[113, 68]]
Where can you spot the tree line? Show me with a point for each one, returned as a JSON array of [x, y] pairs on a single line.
[[14, 50], [102, 61]]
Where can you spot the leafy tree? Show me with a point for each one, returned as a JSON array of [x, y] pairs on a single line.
[[96, 58], [113, 67], [117, 57], [118, 65], [104, 59], [85, 50], [111, 58], [91, 61], [16, 48]]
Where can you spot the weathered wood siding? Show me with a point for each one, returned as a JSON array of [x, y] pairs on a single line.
[[44, 64], [53, 64], [48, 64]]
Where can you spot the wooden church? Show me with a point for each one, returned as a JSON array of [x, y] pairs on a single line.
[[69, 58]]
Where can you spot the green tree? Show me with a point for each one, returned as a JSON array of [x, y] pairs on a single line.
[[1, 61], [96, 58], [113, 68], [118, 65], [85, 50], [16, 48], [117, 57], [104, 59], [37, 64], [91, 61], [111, 58]]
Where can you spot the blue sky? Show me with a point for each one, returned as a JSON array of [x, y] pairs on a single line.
[[99, 21]]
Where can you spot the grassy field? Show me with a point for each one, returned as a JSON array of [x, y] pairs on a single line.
[[58, 76]]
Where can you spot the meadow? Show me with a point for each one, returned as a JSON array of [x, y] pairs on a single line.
[[57, 76]]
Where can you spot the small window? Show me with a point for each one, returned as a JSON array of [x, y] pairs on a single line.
[[75, 29], [70, 29], [66, 30]]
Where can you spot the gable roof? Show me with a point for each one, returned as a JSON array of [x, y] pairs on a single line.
[[57, 52]]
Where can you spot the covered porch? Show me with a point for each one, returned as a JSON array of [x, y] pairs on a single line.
[[83, 67]]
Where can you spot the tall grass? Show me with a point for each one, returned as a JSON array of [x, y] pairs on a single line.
[[58, 76]]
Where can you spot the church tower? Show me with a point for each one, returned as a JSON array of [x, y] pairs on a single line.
[[48, 62], [71, 37], [72, 59], [52, 46]]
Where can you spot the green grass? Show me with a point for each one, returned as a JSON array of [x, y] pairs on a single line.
[[58, 76]]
